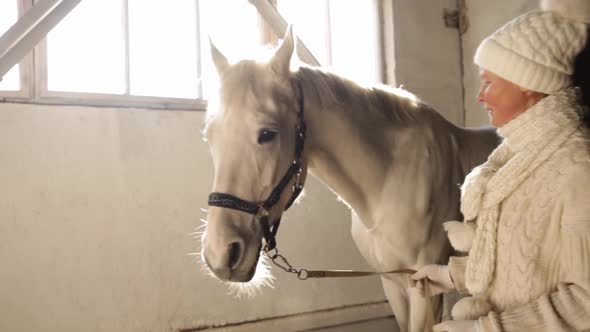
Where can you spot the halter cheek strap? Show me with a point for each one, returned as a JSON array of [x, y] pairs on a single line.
[[260, 209]]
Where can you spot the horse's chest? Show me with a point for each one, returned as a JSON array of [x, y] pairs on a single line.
[[373, 246]]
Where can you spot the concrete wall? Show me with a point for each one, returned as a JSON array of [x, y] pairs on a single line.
[[427, 55], [484, 18], [95, 213]]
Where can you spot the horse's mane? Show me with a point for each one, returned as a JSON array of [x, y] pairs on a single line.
[[336, 92]]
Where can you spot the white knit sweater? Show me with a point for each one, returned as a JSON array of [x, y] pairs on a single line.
[[536, 240]]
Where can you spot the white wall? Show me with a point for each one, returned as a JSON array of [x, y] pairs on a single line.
[[484, 18], [427, 55], [96, 207]]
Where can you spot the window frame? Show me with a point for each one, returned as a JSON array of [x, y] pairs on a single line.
[[45, 96], [33, 74], [34, 88]]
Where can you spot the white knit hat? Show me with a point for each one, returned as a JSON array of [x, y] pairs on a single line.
[[537, 50]]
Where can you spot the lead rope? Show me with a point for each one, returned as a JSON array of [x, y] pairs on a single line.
[[304, 274]]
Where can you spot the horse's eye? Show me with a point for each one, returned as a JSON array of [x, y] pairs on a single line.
[[266, 135]]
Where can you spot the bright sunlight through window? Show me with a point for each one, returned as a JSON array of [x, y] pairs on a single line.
[[163, 48], [157, 48], [232, 26], [86, 51], [311, 26], [343, 35]]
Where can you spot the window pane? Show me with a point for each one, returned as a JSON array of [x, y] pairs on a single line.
[[310, 23], [8, 15], [233, 28], [85, 51], [355, 47], [163, 48], [11, 81]]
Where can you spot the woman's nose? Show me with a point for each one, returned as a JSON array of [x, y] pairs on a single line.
[[480, 95]]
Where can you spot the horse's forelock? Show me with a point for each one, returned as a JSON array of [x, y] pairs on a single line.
[[249, 85], [254, 85]]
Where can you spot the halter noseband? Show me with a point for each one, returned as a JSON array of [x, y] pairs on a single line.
[[261, 209]]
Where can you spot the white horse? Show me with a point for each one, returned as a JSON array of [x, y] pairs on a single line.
[[396, 162]]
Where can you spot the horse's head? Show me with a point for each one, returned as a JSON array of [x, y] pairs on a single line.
[[251, 130]]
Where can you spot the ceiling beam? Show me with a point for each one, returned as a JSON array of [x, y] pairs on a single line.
[[30, 28]]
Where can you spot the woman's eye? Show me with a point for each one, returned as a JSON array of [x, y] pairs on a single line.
[[266, 135]]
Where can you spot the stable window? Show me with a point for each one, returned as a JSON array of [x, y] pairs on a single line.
[[124, 53], [132, 47], [155, 53], [343, 35]]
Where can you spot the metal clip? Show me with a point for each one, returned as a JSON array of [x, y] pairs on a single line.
[[262, 212], [297, 185], [303, 274]]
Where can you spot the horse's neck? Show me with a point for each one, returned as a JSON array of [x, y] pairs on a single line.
[[355, 152], [340, 156]]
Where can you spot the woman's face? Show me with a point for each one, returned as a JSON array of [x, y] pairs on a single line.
[[502, 99]]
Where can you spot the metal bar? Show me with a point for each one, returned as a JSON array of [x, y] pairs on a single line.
[[328, 26], [125, 19], [23, 24], [279, 26], [386, 46], [33, 26], [198, 46]]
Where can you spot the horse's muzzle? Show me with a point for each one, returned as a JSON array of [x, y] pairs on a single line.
[[233, 262]]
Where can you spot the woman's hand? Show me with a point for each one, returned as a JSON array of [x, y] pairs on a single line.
[[438, 276], [456, 326]]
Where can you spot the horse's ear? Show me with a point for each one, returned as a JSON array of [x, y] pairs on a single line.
[[219, 59], [281, 60]]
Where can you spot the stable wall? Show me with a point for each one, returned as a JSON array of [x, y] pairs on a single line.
[[484, 17], [96, 210], [427, 55]]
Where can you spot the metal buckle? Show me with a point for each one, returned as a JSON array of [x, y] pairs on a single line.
[[262, 212], [297, 185]]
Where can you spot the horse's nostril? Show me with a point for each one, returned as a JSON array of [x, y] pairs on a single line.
[[234, 254]]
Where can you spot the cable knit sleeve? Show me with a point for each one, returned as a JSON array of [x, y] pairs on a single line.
[[568, 307]]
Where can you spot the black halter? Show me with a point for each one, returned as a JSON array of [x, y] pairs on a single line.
[[260, 209]]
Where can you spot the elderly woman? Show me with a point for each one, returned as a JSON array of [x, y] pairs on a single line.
[[527, 209]]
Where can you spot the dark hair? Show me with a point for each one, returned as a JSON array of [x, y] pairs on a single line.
[[581, 77]]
